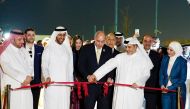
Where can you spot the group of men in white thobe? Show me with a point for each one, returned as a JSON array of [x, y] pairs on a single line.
[[57, 65], [133, 67]]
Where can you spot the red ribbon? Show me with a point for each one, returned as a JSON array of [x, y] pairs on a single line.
[[142, 87], [70, 83], [85, 88], [106, 88], [34, 85], [79, 90]]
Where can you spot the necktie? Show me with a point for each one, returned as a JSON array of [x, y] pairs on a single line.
[[30, 52], [98, 55]]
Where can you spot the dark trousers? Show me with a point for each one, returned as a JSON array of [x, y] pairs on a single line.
[[36, 96], [151, 100], [169, 101], [159, 100], [95, 93]]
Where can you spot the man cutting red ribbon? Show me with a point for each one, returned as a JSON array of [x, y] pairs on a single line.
[[133, 67]]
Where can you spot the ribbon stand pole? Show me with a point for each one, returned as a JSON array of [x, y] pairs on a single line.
[[8, 90], [178, 98]]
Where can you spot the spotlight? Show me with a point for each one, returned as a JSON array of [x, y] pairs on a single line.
[[6, 35], [188, 2]]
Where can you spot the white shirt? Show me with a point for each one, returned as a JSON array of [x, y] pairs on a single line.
[[98, 53], [170, 65], [30, 49], [148, 51]]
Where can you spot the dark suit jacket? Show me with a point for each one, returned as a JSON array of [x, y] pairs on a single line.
[[76, 72], [37, 64], [115, 52], [153, 80], [88, 63], [113, 72]]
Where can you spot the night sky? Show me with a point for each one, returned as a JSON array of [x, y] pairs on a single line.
[[80, 16]]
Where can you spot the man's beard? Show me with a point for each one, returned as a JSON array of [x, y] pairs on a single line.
[[59, 42], [30, 40]]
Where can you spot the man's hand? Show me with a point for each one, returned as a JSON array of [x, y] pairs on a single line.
[[164, 89], [135, 86], [48, 79], [27, 81], [110, 81], [91, 78]]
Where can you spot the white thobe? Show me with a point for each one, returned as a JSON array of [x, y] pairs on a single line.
[[188, 86], [57, 64], [130, 69], [16, 66]]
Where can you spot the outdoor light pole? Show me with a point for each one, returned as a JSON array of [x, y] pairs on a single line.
[[95, 29], [116, 16], [156, 19], [103, 27]]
